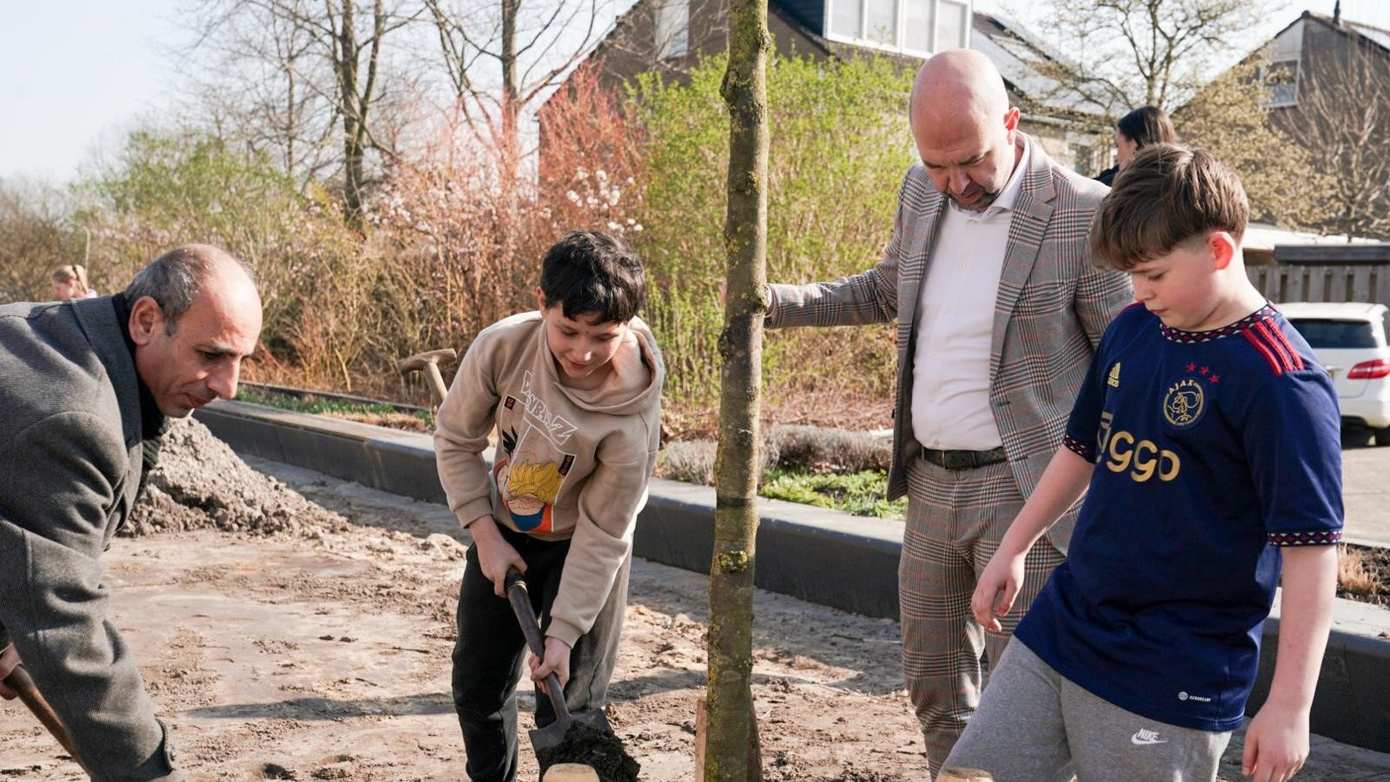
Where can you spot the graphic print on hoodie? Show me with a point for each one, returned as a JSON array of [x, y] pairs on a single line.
[[532, 466]]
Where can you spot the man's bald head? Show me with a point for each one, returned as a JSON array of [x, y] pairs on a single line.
[[195, 316], [964, 126]]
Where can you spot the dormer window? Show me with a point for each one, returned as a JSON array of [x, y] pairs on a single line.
[[909, 26]]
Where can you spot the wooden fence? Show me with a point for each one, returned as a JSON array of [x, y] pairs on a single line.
[[1323, 282]]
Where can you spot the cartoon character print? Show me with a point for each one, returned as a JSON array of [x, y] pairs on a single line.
[[529, 473]]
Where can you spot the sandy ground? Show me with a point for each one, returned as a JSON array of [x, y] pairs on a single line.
[[325, 655]]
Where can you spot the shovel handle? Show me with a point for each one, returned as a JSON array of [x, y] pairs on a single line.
[[20, 681], [520, 599]]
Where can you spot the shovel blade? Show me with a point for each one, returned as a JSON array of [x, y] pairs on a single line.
[[552, 736]]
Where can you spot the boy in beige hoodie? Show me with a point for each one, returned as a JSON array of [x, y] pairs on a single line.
[[574, 390]]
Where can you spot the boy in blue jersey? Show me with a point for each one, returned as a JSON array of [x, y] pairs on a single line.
[[1209, 439]]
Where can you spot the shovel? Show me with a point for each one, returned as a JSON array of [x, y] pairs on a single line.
[[18, 679], [552, 736]]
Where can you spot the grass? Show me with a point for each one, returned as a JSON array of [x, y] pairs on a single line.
[[859, 493], [1363, 574], [378, 414]]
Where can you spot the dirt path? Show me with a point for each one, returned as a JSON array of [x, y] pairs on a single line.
[[325, 655]]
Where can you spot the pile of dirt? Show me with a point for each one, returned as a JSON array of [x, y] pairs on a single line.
[[600, 750], [201, 483]]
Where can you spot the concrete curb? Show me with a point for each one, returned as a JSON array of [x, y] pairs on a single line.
[[823, 557]]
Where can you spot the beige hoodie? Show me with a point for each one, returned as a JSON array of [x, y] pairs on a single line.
[[569, 463]]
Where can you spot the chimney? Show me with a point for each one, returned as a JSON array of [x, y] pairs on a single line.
[[1337, 13]]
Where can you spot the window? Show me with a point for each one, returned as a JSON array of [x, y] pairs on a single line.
[[1281, 83], [915, 26], [1327, 333], [845, 18], [950, 24], [881, 21], [672, 28], [1279, 74]]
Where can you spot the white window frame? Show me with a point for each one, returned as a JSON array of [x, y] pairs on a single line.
[[934, 9]]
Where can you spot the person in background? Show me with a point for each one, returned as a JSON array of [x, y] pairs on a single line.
[[70, 283], [1138, 129]]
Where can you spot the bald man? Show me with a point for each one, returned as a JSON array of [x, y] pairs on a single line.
[[86, 388], [999, 309]]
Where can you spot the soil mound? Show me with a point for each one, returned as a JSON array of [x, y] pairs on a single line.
[[597, 749], [199, 482]]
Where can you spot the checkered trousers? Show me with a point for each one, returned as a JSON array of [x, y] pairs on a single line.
[[955, 521]]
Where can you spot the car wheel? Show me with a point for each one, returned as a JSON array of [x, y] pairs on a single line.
[[1357, 437], [1383, 436]]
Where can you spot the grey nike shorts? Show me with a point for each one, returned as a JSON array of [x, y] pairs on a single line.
[[1034, 725]]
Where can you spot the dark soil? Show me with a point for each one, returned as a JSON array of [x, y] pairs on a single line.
[[600, 750]]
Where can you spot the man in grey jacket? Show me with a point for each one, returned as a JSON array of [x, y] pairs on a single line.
[[85, 388]]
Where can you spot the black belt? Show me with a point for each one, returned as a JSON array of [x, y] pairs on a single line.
[[964, 460]]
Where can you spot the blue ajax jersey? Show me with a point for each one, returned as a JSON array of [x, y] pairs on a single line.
[[1212, 450]]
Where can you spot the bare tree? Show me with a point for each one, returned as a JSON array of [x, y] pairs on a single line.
[[730, 741], [1229, 119], [324, 65], [1120, 54], [1342, 119], [502, 58], [254, 82]]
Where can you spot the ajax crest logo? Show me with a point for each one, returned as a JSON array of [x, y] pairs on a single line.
[[1184, 402]]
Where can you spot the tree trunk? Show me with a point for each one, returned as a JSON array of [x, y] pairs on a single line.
[[352, 115], [731, 738], [509, 156]]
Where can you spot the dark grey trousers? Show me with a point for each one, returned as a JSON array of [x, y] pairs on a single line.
[[490, 650]]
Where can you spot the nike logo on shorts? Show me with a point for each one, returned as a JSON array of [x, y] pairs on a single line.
[[1145, 737]]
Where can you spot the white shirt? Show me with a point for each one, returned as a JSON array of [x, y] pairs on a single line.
[[955, 323]]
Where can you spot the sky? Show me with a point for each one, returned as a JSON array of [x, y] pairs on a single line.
[[80, 73]]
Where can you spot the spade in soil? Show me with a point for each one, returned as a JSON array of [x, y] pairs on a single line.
[[582, 738]]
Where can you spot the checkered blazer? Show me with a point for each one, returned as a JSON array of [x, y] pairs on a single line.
[[1053, 305]]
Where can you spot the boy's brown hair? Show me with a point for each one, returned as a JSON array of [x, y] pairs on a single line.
[[1166, 196]]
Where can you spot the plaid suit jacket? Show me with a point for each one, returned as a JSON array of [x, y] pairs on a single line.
[[1052, 307]]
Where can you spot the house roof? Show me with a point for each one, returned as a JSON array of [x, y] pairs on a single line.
[[1017, 54], [1376, 35]]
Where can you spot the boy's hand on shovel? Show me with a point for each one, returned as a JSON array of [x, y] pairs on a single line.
[[495, 555], [556, 661]]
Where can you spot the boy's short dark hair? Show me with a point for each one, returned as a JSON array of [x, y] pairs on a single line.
[[592, 273], [1166, 196]]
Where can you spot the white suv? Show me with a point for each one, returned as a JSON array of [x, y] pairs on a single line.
[[1349, 340]]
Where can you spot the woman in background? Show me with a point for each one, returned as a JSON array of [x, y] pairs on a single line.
[[1144, 126], [70, 283]]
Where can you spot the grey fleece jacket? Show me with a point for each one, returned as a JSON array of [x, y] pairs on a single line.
[[71, 439]]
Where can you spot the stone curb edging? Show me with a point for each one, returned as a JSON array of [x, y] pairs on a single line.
[[821, 556]]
